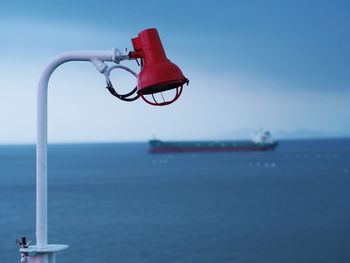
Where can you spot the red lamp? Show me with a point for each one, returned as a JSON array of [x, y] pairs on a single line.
[[158, 73]]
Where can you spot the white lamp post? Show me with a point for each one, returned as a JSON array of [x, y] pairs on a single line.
[[159, 75], [46, 252]]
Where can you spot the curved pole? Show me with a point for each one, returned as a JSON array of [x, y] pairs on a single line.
[[41, 150]]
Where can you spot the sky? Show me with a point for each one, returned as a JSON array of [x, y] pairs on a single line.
[[282, 65]]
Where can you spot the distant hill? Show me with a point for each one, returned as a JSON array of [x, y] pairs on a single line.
[[309, 134], [284, 134]]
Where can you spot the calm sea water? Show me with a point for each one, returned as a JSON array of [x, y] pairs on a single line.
[[117, 203]]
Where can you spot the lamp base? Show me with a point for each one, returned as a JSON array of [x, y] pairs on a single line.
[[48, 249], [41, 255]]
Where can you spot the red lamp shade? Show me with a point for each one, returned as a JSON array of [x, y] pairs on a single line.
[[158, 73]]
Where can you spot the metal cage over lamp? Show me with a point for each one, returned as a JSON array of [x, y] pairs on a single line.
[[158, 73]]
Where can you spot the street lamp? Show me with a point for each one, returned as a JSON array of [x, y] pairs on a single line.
[[157, 75]]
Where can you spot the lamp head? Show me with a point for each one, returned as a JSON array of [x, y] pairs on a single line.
[[158, 73]]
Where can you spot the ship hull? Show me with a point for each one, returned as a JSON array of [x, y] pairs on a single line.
[[157, 146]]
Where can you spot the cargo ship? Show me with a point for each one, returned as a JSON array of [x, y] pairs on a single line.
[[261, 141]]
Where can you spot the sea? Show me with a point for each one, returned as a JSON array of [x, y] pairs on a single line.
[[118, 203]]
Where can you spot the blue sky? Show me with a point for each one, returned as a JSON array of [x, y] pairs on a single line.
[[280, 64]]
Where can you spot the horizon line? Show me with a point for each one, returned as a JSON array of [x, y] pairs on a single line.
[[145, 142]]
